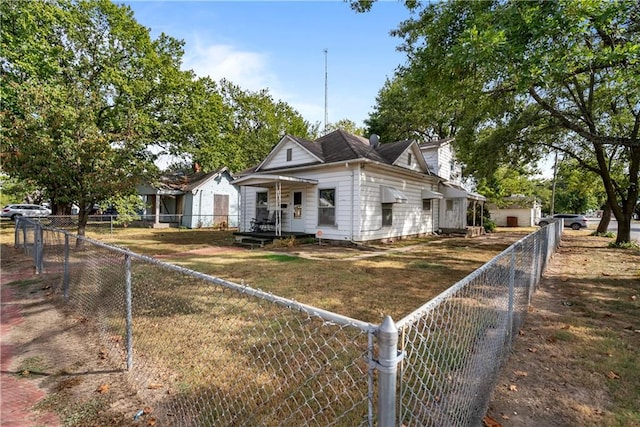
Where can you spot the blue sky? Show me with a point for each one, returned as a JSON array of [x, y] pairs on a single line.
[[279, 45]]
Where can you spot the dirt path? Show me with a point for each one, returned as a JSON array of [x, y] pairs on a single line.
[[580, 336], [52, 364]]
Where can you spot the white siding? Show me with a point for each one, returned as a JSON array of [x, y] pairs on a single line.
[[525, 217], [456, 217], [199, 209], [358, 208], [299, 156], [403, 160], [408, 218], [441, 161]]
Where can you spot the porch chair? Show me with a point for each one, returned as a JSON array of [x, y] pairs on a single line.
[[270, 223], [257, 223]]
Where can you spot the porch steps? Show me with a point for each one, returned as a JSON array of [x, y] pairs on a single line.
[[252, 241]]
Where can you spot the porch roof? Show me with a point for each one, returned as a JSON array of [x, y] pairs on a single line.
[[268, 180]]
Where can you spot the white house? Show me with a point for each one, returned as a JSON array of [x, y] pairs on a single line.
[[441, 159], [342, 187], [192, 200]]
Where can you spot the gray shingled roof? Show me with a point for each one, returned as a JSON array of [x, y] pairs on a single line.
[[181, 181], [340, 146]]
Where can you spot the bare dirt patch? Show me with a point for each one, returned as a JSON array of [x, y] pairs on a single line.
[[576, 362]]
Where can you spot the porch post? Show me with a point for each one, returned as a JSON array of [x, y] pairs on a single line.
[[278, 208], [157, 220], [475, 203]]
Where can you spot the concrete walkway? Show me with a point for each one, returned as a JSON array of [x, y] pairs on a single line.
[[17, 395]]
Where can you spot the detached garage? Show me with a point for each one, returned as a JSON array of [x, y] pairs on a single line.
[[517, 211]]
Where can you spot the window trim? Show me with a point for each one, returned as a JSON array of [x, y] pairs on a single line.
[[387, 207], [334, 207]]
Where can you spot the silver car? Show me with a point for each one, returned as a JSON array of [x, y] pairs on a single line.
[[24, 209], [575, 221]]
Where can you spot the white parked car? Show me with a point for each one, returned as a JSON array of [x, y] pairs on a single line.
[[575, 221], [24, 209]]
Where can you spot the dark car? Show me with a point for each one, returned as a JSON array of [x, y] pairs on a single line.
[[575, 221]]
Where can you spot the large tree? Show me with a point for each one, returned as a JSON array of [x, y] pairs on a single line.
[[537, 76], [86, 91], [258, 122]]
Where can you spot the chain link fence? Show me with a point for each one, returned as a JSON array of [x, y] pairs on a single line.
[[204, 351], [110, 221]]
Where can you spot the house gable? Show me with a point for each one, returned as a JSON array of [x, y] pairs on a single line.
[[411, 158], [440, 157], [291, 152]]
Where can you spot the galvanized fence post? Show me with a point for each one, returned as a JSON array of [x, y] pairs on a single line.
[[38, 248], [512, 280], [16, 233], [387, 366], [129, 301], [533, 281], [65, 280]]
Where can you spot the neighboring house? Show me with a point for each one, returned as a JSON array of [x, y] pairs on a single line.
[[343, 187], [517, 211], [192, 200], [441, 159]]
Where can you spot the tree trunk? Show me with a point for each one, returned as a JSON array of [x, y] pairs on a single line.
[[58, 208], [605, 219], [624, 230], [83, 217]]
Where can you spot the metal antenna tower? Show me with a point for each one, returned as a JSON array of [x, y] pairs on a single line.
[[326, 75]]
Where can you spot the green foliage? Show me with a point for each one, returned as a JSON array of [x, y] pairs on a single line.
[[518, 80], [87, 91], [609, 234], [87, 94], [625, 245], [127, 206], [257, 123], [577, 191], [346, 125]]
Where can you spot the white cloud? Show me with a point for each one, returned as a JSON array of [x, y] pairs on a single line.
[[249, 70]]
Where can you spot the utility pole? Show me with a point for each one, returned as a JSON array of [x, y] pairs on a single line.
[[553, 188], [326, 77]]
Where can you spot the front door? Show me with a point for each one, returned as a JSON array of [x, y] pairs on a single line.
[[296, 213]]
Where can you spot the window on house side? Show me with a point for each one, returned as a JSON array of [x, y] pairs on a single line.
[[262, 204], [387, 214], [327, 207], [289, 154], [449, 205], [426, 205], [409, 159]]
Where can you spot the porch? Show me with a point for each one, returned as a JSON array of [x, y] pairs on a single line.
[[261, 238]]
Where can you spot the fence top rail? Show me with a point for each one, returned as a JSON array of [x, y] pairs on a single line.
[[291, 304], [436, 301]]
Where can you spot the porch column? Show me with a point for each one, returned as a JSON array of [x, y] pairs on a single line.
[[278, 208], [475, 203], [157, 221]]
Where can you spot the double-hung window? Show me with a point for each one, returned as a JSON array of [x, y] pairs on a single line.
[[387, 214], [327, 206], [262, 204]]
